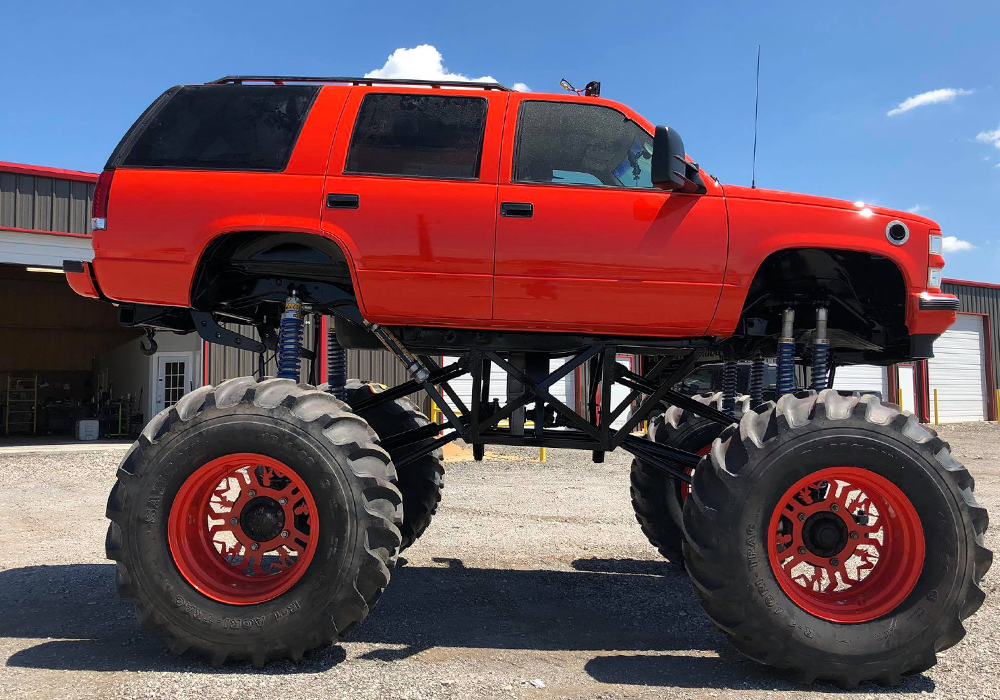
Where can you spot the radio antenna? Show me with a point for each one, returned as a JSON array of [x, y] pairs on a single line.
[[756, 103]]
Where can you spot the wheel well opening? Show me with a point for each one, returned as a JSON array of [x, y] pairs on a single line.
[[865, 293], [233, 265]]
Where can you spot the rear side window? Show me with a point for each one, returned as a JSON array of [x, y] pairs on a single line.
[[418, 136], [223, 127]]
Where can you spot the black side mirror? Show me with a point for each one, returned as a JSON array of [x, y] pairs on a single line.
[[670, 169]]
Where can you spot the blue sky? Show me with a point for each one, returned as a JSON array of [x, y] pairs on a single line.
[[80, 73]]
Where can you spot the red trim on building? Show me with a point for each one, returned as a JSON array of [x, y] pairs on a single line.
[[43, 232], [967, 283], [991, 408], [42, 171]]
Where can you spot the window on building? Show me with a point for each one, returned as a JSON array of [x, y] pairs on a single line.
[[418, 136], [579, 144]]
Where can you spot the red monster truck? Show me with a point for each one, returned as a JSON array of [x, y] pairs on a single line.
[[828, 534]]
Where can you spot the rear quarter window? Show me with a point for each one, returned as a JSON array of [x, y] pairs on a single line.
[[224, 127], [418, 136]]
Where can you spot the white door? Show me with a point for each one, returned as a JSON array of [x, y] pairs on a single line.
[[862, 378], [907, 389], [958, 371], [173, 379], [619, 393]]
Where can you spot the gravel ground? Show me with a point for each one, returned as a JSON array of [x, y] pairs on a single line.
[[531, 574]]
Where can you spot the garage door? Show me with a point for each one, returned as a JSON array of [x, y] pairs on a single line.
[[861, 378], [958, 371]]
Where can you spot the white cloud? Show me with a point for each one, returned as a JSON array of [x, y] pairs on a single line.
[[992, 137], [917, 208], [422, 62], [954, 244], [521, 87], [928, 98]]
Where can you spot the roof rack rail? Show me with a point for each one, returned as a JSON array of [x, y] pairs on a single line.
[[282, 79]]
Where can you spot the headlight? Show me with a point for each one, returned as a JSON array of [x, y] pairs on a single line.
[[934, 277], [936, 244]]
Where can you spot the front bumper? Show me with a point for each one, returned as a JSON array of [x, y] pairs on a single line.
[[937, 302]]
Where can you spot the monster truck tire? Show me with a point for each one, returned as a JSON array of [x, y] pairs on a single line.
[[846, 468], [178, 552], [657, 497], [419, 481]]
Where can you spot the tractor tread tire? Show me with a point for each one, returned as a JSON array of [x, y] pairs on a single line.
[[655, 494], [420, 481], [368, 470], [719, 544]]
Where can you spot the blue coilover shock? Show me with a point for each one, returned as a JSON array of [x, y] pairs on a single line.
[[756, 382], [336, 363], [786, 354], [290, 339], [820, 352], [729, 388]]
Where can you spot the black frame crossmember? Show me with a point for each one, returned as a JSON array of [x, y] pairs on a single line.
[[479, 424]]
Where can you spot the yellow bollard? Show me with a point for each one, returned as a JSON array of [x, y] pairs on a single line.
[[541, 454], [900, 402], [435, 411], [936, 422]]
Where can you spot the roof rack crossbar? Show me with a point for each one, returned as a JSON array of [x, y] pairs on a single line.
[[281, 79]]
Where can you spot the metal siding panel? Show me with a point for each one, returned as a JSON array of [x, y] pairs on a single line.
[[78, 211], [24, 206], [43, 203], [60, 205], [90, 201], [8, 189]]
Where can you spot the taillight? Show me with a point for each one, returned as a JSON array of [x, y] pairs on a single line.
[[99, 210]]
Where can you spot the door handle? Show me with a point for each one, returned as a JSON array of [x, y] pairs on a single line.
[[342, 201], [522, 210]]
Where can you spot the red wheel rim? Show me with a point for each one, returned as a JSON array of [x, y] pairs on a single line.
[[685, 486], [846, 545], [243, 528]]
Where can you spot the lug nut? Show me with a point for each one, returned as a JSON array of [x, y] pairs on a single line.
[[802, 550], [251, 493], [284, 533], [834, 561], [255, 546], [834, 507], [233, 521], [282, 500], [802, 516], [854, 535]]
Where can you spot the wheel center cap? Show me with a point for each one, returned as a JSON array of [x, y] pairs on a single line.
[[825, 534], [262, 519]]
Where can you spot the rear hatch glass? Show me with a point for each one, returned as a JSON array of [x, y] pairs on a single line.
[[218, 127]]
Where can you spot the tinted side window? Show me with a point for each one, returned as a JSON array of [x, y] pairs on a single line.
[[571, 143], [418, 136], [224, 127]]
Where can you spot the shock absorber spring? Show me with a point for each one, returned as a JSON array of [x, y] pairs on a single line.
[[786, 354], [820, 352], [729, 374], [757, 382], [290, 338], [336, 363]]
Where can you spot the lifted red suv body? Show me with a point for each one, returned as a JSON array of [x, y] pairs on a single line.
[[827, 533], [588, 258]]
